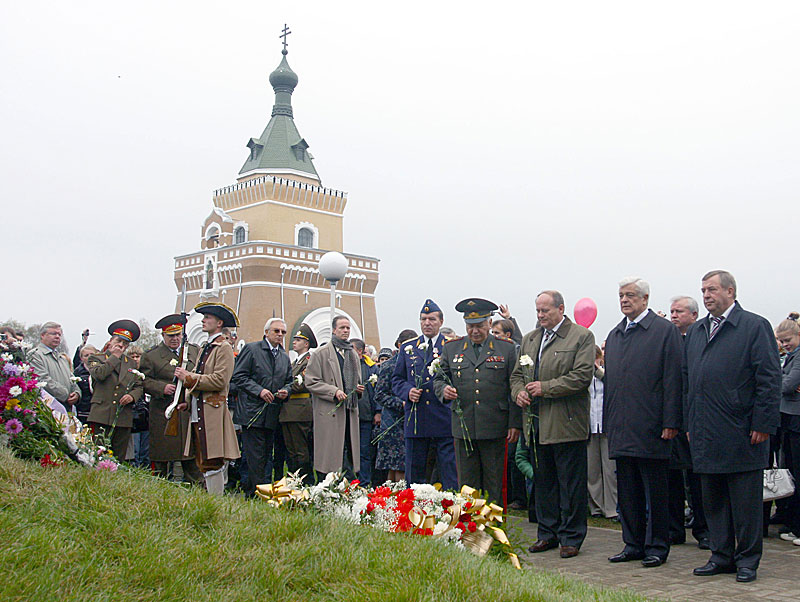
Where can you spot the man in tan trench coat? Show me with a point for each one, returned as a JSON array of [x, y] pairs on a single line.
[[333, 378], [211, 432]]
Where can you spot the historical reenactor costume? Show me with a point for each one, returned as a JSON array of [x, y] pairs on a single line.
[[427, 421], [483, 416], [296, 415], [117, 386], [211, 436], [158, 365]]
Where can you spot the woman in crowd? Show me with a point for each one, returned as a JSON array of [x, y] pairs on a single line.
[[788, 335], [85, 384], [602, 471]]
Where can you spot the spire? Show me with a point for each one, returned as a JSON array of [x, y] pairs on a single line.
[[280, 149]]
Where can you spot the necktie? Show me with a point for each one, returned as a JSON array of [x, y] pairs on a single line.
[[275, 352], [715, 322], [630, 326], [548, 334]]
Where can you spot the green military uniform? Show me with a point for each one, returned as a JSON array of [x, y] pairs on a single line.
[[112, 378], [158, 365]]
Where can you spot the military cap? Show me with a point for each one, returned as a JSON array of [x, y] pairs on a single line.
[[429, 307], [476, 310], [171, 324], [305, 332], [219, 310], [384, 352], [125, 329]]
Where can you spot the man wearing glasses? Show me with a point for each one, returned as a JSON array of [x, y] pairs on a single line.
[[263, 378]]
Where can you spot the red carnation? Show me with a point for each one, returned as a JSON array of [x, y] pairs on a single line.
[[468, 505], [461, 527], [407, 495], [446, 503], [472, 526], [370, 507], [354, 483]]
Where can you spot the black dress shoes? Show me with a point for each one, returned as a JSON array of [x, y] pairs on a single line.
[[543, 545], [651, 561], [745, 575], [703, 543], [625, 557], [712, 568]]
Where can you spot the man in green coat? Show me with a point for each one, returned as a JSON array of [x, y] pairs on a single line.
[[553, 374], [158, 365], [474, 379]]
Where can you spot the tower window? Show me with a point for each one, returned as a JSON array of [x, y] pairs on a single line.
[[209, 274], [239, 235], [305, 238], [212, 237]]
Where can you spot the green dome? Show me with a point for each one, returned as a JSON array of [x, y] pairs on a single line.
[[283, 78]]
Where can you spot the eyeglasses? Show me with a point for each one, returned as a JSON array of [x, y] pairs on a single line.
[[278, 331]]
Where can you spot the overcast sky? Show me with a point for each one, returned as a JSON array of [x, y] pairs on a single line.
[[489, 149]]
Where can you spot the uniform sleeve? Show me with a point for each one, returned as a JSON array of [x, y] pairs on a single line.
[[441, 377], [767, 373], [152, 385], [219, 379], [579, 377], [101, 367], [288, 379]]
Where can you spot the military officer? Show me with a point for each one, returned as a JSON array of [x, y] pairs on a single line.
[[474, 380], [158, 365], [296, 414], [427, 419], [211, 433], [117, 386]]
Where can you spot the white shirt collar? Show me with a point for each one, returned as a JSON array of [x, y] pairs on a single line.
[[725, 313], [557, 326], [638, 318]]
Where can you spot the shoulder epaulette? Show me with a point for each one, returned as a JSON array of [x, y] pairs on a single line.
[[453, 340]]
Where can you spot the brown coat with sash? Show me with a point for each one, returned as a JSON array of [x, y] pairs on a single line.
[[323, 378], [211, 387], [112, 379], [159, 373], [298, 407]]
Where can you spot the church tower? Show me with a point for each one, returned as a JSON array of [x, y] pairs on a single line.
[[261, 243]]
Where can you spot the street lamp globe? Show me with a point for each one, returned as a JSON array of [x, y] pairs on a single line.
[[333, 266]]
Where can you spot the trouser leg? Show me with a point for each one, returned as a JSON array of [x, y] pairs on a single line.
[[699, 526], [791, 455], [609, 480], [677, 506], [257, 448], [469, 464], [546, 490], [491, 459], [717, 505], [594, 475], [746, 495], [446, 461], [571, 474], [278, 468], [296, 437], [416, 459], [162, 469], [632, 505], [654, 478], [348, 462], [516, 480]]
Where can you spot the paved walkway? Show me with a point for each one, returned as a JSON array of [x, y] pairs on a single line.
[[778, 575]]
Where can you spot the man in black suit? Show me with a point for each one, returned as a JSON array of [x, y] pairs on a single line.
[[642, 413], [732, 380], [263, 377]]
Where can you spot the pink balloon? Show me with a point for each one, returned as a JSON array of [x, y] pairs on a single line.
[[585, 312]]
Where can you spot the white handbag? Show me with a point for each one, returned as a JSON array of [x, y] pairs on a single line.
[[778, 484]]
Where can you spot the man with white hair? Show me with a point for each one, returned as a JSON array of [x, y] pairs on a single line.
[[53, 367], [263, 378], [642, 397]]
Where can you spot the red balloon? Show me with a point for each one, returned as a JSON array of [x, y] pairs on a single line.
[[585, 312]]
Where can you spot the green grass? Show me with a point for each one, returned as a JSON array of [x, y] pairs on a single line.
[[75, 534]]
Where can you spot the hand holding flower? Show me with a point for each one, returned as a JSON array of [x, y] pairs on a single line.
[[534, 389], [359, 389], [450, 393], [523, 400], [414, 395], [125, 399]]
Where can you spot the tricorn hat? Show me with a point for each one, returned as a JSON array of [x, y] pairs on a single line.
[[476, 310], [219, 310], [305, 332], [171, 324], [125, 329]]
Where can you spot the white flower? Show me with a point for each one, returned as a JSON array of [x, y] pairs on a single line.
[[25, 345], [423, 345], [173, 362], [25, 367], [299, 379], [136, 373], [434, 366], [408, 349], [15, 391], [41, 384], [372, 379], [7, 357], [525, 360]]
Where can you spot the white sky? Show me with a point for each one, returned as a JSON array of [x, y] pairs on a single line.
[[488, 149]]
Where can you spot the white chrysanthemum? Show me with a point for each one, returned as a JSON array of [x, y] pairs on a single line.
[[15, 391], [7, 357], [525, 360]]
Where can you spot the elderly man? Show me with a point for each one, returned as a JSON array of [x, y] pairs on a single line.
[[333, 377], [642, 413], [117, 386], [295, 416], [263, 378], [553, 374], [427, 419], [732, 377], [474, 381], [683, 313], [54, 368], [158, 366], [211, 435]]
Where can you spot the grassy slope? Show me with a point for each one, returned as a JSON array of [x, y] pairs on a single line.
[[75, 534]]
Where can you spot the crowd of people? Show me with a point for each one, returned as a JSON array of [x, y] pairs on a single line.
[[666, 425]]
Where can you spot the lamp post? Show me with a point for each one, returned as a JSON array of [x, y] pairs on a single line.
[[333, 267]]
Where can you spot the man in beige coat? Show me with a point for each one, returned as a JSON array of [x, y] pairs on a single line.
[[211, 431], [333, 378], [53, 368]]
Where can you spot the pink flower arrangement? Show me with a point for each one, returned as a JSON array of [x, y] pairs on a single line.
[[108, 465]]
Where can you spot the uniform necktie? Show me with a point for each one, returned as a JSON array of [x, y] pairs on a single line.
[[715, 322]]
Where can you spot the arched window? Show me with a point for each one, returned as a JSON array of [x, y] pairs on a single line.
[[209, 274], [305, 238], [212, 237], [239, 235]]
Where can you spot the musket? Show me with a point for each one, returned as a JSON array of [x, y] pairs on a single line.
[[173, 422]]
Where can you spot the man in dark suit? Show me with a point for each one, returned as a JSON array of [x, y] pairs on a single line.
[[263, 377], [427, 419], [732, 378], [474, 380], [642, 413]]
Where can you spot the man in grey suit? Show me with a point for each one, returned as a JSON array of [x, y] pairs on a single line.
[[732, 380], [553, 373]]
